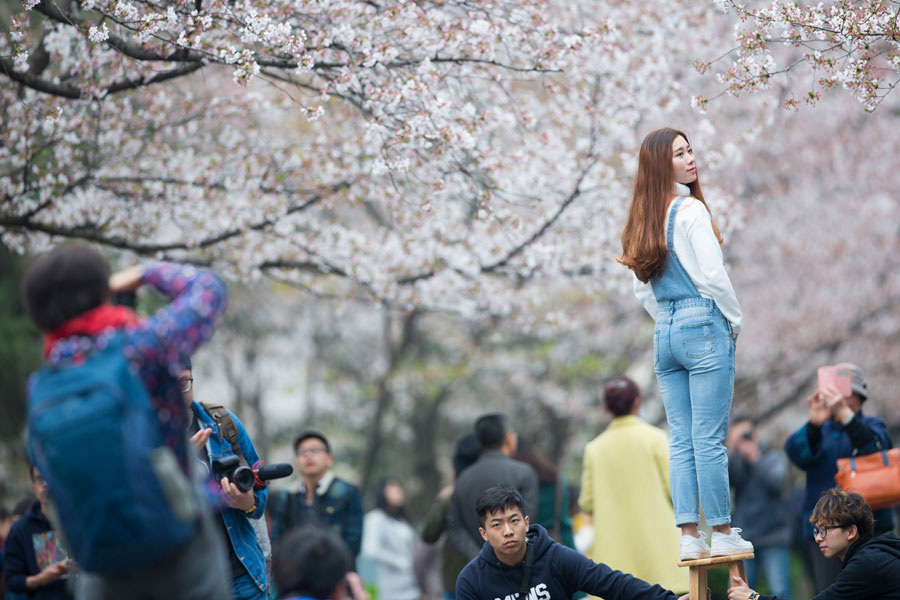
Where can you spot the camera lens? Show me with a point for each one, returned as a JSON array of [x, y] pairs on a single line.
[[243, 478]]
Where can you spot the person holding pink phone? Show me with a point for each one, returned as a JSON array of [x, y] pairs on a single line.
[[836, 429], [673, 247]]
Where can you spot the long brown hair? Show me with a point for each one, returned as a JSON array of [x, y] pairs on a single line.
[[546, 471], [644, 236]]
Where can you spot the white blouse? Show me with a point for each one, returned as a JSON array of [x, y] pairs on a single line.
[[700, 254]]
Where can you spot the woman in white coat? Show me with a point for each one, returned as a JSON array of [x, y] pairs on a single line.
[[388, 543]]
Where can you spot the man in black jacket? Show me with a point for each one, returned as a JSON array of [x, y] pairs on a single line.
[[843, 524], [523, 560], [494, 467]]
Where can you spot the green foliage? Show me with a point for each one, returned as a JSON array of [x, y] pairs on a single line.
[[20, 354]]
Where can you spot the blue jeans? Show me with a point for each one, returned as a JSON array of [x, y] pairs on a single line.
[[245, 589], [694, 364], [776, 565], [448, 595]]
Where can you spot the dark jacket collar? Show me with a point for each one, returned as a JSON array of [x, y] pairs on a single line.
[[886, 542]]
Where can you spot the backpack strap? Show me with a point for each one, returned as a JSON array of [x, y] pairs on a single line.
[[526, 569], [226, 425]]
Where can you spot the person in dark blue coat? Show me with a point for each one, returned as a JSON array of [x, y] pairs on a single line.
[[525, 560], [37, 566], [836, 429]]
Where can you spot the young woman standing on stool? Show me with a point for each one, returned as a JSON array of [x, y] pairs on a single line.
[[672, 245]]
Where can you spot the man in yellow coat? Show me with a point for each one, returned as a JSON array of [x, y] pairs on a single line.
[[625, 486]]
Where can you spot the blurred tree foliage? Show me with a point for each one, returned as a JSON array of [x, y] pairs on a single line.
[[20, 354]]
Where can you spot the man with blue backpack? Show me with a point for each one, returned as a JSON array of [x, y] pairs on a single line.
[[107, 427]]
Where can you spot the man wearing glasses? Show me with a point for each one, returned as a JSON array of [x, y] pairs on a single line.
[[322, 499], [837, 428], [207, 428], [843, 528]]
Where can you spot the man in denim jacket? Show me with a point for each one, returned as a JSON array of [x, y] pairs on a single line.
[[323, 500], [248, 563]]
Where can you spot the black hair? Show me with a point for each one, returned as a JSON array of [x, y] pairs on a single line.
[[310, 561], [490, 430], [64, 283], [21, 507], [742, 418], [497, 499], [397, 512], [467, 452], [311, 434]]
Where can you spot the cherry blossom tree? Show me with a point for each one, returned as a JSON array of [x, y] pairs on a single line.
[[815, 265], [467, 162], [436, 155], [853, 44]]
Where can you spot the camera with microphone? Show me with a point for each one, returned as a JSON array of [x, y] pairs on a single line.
[[248, 478]]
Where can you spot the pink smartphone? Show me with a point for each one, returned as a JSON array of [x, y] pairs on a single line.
[[839, 377]]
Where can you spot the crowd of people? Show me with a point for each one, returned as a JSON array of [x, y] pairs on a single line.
[[179, 507], [624, 487]]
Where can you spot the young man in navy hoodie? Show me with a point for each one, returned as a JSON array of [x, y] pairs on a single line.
[[524, 560]]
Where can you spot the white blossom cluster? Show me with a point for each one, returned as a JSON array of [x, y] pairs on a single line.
[[427, 155]]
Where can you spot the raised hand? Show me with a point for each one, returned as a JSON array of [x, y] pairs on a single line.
[[818, 410]]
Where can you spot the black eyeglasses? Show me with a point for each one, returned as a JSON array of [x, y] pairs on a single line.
[[823, 530], [314, 450], [187, 383]]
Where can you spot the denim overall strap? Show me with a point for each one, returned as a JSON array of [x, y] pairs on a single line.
[[673, 282]]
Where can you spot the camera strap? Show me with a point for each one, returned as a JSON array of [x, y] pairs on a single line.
[[226, 426], [526, 569]]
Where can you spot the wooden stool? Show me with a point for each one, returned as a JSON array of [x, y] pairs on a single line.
[[700, 566]]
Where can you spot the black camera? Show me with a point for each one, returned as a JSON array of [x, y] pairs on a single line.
[[230, 466], [245, 478]]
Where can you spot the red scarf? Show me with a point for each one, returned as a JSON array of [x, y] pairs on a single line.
[[91, 323]]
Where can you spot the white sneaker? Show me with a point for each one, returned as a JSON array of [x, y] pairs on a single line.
[[693, 548], [727, 545]]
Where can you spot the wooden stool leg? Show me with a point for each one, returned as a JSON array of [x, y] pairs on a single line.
[[698, 583], [736, 569]]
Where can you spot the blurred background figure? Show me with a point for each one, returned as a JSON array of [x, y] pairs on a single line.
[[388, 543], [18, 511], [6, 521], [582, 523], [757, 474], [495, 467], [36, 565], [553, 494], [313, 562], [625, 486], [435, 529], [837, 428]]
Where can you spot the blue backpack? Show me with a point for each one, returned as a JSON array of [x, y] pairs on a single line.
[[97, 442]]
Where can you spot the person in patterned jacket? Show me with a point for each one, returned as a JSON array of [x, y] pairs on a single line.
[[67, 294]]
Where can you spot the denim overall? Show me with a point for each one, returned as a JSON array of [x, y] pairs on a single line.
[[694, 364]]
